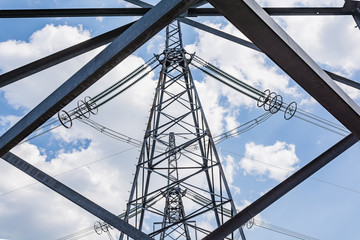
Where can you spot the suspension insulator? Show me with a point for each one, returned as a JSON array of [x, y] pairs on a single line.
[[250, 223], [270, 101], [290, 110], [82, 110], [276, 104], [65, 119], [91, 106], [104, 227], [262, 99], [98, 228]]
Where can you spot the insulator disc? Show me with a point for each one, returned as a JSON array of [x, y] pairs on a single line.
[[250, 223], [262, 99], [65, 119], [269, 101], [104, 227], [91, 107], [277, 104], [82, 109], [290, 110], [97, 228]]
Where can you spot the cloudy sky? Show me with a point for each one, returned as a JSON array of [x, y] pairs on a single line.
[[326, 206]]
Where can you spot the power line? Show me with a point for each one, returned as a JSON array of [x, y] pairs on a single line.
[[70, 170], [287, 170]]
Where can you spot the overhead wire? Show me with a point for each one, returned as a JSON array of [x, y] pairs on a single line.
[[93, 103], [290, 171], [257, 95], [70, 170]]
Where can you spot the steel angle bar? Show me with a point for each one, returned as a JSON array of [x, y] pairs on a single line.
[[73, 196], [309, 11], [200, 3], [355, 6], [219, 33], [73, 12], [266, 34], [343, 80], [273, 11], [248, 44], [284, 187], [194, 11], [136, 35], [61, 56], [140, 3]]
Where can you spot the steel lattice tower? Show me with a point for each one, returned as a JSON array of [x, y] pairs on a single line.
[[178, 177], [177, 133]]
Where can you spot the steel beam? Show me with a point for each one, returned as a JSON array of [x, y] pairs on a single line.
[[248, 44], [192, 12], [219, 33], [200, 3], [280, 190], [136, 35], [267, 35], [343, 80], [309, 11], [61, 56], [74, 196], [73, 12], [140, 3], [355, 6]]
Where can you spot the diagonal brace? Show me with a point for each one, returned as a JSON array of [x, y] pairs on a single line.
[[280, 190], [61, 56], [73, 196]]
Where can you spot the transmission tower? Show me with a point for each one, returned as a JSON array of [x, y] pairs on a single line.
[[179, 179]]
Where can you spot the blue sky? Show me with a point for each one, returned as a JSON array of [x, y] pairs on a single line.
[[325, 206]]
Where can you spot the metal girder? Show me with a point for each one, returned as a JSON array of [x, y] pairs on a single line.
[[140, 3], [219, 33], [74, 196], [61, 56], [284, 187], [192, 12], [355, 6], [73, 12], [200, 3], [267, 35], [248, 44], [136, 35], [309, 11], [343, 80]]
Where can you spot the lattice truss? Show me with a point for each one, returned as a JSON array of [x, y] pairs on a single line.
[[179, 174]]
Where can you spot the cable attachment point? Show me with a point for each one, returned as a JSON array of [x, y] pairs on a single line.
[[270, 101], [250, 223], [101, 227], [290, 110], [84, 109]]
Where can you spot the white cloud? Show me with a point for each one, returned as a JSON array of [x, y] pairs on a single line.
[[99, 19], [331, 40], [276, 161], [230, 167], [7, 121], [31, 90]]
